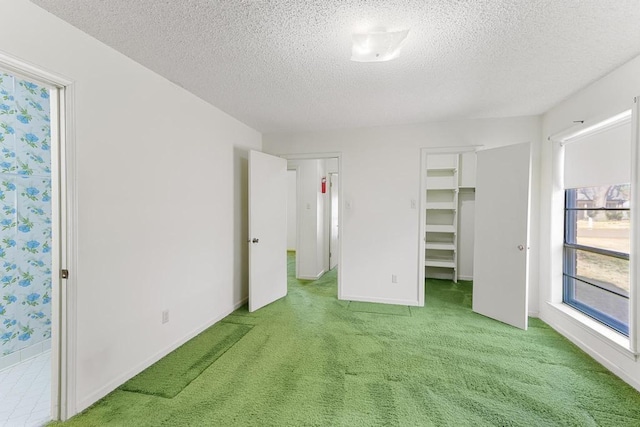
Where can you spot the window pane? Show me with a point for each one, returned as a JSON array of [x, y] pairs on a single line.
[[602, 270], [605, 229], [605, 306], [608, 230], [607, 196]]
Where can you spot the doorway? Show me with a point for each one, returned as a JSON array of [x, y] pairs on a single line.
[[500, 207], [447, 217], [33, 114], [268, 199], [318, 212]]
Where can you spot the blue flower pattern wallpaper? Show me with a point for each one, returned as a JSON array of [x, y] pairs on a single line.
[[25, 214]]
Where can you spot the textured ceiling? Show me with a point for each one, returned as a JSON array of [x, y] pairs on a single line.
[[284, 65]]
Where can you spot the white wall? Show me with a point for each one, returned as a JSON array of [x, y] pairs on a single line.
[[380, 177], [161, 201], [292, 208], [608, 96]]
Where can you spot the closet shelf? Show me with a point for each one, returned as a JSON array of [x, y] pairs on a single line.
[[440, 246], [440, 263], [453, 169], [431, 228], [441, 224], [450, 187], [449, 206]]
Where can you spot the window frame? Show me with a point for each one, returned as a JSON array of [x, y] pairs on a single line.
[[569, 275]]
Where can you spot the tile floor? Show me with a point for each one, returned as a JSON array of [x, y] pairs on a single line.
[[25, 393]]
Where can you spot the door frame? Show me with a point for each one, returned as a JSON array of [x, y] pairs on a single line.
[[422, 214], [323, 156], [64, 231], [296, 169]]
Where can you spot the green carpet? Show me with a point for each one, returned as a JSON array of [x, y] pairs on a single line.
[[311, 361], [171, 374]]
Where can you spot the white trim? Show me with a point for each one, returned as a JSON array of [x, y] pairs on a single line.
[[22, 68], [591, 127], [298, 198], [309, 156], [459, 149], [465, 278], [413, 303], [634, 252], [69, 254], [64, 227], [422, 219], [121, 379], [57, 254], [554, 320], [331, 155], [609, 336], [312, 277]]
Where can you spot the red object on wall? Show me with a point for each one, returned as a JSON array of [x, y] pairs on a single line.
[[324, 185]]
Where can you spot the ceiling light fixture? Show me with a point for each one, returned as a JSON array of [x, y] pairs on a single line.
[[377, 46]]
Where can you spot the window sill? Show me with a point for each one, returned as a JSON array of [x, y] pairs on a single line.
[[617, 341]]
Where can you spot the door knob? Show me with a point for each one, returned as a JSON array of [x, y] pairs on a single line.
[[520, 247], [255, 240]]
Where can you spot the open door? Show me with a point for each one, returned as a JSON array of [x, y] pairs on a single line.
[[267, 229], [501, 249]]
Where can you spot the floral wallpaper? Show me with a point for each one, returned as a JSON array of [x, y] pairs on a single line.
[[25, 214]]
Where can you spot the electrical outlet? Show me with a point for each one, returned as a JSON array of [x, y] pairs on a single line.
[[394, 278], [165, 316]]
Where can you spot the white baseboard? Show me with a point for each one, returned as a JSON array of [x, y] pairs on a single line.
[[466, 278], [312, 277], [118, 381], [534, 314], [414, 303]]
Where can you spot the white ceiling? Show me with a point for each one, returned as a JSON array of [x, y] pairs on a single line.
[[284, 66]]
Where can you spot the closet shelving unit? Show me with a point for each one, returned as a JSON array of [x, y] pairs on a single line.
[[441, 206]]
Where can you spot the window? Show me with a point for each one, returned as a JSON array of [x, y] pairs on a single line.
[[596, 253], [597, 230]]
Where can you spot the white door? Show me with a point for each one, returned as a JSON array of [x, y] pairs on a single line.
[[333, 241], [267, 229], [501, 257]]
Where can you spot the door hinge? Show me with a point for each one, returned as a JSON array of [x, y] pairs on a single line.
[[64, 273]]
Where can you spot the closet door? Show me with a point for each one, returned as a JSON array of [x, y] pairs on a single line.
[[501, 249]]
